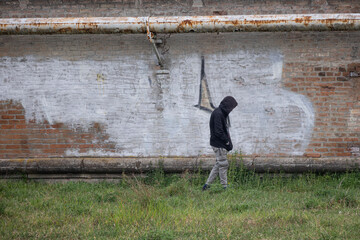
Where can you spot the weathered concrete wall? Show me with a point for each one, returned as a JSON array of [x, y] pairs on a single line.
[[117, 8], [74, 96]]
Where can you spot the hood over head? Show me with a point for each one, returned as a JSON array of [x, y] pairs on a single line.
[[228, 104]]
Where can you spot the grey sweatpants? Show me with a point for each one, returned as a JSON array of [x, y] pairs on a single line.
[[220, 167]]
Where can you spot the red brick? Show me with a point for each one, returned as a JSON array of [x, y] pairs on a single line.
[[329, 144], [9, 126], [312, 155], [321, 150], [325, 93], [338, 84], [351, 139], [52, 150], [15, 112], [57, 125], [335, 139], [16, 152], [13, 146], [315, 145], [60, 145], [16, 121], [323, 109], [342, 79], [339, 124], [353, 134], [52, 131], [328, 79], [345, 154], [342, 119], [313, 79], [320, 139], [298, 79], [289, 85], [18, 136], [339, 135], [337, 149], [7, 117], [40, 146], [86, 146]]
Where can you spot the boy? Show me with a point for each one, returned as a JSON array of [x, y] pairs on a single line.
[[220, 140]]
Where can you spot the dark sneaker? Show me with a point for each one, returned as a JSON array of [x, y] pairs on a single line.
[[205, 187]]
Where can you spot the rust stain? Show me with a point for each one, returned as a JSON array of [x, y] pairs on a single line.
[[64, 30], [178, 24], [299, 20], [186, 22], [307, 20]]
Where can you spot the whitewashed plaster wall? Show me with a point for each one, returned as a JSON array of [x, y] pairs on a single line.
[[122, 93]]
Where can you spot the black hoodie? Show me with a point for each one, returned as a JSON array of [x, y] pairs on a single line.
[[219, 132]]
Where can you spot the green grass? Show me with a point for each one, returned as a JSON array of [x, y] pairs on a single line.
[[164, 206]]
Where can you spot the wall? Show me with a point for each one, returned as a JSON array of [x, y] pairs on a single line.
[[116, 8], [76, 96]]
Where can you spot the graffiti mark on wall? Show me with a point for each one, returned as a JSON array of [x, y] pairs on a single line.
[[205, 102]]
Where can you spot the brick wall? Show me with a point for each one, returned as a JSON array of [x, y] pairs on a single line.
[[116, 8], [105, 96], [325, 78], [102, 95], [335, 96], [21, 138]]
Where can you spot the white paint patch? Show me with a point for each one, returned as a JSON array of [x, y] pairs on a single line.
[[268, 118], [119, 95]]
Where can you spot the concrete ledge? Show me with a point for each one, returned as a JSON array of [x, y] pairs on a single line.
[[100, 165], [65, 177]]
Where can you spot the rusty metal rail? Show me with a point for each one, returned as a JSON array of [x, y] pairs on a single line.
[[181, 24]]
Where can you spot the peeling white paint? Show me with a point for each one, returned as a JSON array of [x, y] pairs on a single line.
[[119, 95]]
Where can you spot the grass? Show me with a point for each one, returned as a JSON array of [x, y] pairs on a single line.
[[161, 206]]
